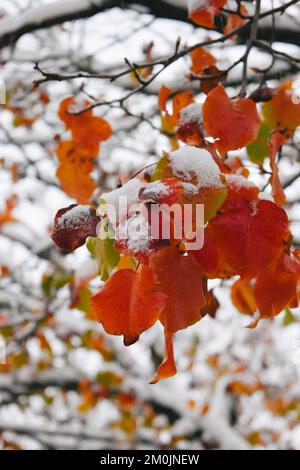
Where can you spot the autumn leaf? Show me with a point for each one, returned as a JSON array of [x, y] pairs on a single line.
[[199, 175], [87, 130], [208, 257], [129, 303], [201, 59], [276, 286], [234, 123], [7, 215], [72, 225], [74, 171], [179, 101], [189, 128], [238, 185], [102, 249], [203, 12], [212, 77], [234, 20], [163, 96], [281, 111], [180, 279], [258, 150], [275, 143], [168, 367], [250, 234], [242, 297]]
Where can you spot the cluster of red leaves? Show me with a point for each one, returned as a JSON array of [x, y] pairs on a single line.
[[244, 235], [76, 156]]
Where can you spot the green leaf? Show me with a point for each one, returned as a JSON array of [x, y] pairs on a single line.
[[289, 317], [103, 250], [162, 169], [258, 150], [54, 282], [84, 300]]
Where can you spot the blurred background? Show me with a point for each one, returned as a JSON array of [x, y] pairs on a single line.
[[64, 383]]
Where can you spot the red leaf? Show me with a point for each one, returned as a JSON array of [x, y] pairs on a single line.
[[168, 367], [129, 303], [241, 187], [164, 94], [235, 123], [275, 143], [72, 226], [249, 234], [276, 286], [201, 59], [180, 278], [209, 257], [204, 14]]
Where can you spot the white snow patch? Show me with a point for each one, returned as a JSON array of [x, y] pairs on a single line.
[[126, 195], [136, 230], [75, 216], [156, 189], [239, 181], [190, 163], [191, 113]]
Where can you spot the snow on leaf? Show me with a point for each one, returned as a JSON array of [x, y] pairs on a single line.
[[239, 186], [72, 226]]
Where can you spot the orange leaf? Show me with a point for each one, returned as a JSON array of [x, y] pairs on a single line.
[[66, 107], [275, 143], [203, 12], [180, 278], [235, 21], [74, 171], [242, 297], [164, 95], [235, 123], [214, 77], [239, 186], [168, 367], [129, 303], [87, 130], [201, 59]]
